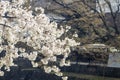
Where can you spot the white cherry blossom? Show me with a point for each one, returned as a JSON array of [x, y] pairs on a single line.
[[31, 36]]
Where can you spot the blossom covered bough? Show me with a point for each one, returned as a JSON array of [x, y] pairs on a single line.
[[25, 35]]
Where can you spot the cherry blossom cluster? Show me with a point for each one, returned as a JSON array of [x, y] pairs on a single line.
[[25, 35]]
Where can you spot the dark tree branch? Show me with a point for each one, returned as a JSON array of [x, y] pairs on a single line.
[[66, 6], [102, 17], [113, 16], [5, 25], [6, 15]]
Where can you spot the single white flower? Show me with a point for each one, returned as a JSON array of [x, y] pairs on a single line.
[[47, 69], [65, 78], [34, 64], [1, 73]]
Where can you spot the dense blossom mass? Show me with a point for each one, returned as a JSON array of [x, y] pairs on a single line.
[[25, 35]]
